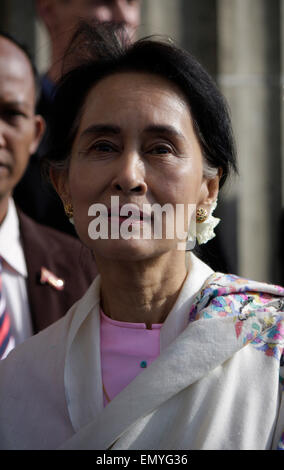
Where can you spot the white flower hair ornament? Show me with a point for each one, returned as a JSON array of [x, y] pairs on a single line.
[[203, 229]]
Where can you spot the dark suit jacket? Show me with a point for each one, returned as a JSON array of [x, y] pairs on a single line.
[[65, 257]]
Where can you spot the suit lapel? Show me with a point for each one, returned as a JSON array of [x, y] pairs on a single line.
[[38, 254]]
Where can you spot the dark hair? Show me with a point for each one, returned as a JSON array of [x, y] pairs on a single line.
[[96, 51], [26, 52]]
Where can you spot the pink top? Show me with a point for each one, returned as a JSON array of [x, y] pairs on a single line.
[[126, 349]]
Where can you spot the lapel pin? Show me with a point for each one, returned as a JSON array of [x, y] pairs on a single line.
[[47, 277]]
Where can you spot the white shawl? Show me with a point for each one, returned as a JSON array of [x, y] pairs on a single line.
[[206, 390]]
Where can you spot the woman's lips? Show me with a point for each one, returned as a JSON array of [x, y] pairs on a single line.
[[130, 213], [130, 218], [4, 169]]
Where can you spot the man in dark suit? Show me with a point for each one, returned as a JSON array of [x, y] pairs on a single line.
[[43, 271]]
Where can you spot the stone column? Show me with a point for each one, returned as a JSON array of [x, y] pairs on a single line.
[[249, 64], [18, 18], [199, 31], [161, 17], [42, 49], [191, 23]]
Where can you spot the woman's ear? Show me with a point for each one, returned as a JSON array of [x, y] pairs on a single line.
[[210, 189], [59, 179]]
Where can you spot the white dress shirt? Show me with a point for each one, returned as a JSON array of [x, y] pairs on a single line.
[[14, 275]]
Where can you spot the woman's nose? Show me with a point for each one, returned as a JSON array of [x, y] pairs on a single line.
[[130, 175]]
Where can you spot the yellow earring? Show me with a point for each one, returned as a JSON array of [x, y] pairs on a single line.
[[68, 209], [201, 215]]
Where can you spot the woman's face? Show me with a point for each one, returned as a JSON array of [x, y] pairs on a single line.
[[135, 141]]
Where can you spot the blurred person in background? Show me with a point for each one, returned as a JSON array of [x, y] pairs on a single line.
[[34, 196], [61, 18], [37, 264]]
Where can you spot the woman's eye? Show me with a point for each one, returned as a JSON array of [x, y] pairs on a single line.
[[161, 150], [101, 147]]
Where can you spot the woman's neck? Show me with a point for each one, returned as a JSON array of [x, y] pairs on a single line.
[[4, 204], [141, 292]]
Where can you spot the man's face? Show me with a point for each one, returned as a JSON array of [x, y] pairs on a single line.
[[20, 129], [124, 12]]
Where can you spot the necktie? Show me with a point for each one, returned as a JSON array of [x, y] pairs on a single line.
[[7, 341]]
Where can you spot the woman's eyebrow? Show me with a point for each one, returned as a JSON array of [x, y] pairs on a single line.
[[164, 129], [114, 130], [100, 129]]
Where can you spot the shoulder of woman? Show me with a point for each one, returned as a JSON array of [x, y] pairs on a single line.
[[255, 308], [231, 287]]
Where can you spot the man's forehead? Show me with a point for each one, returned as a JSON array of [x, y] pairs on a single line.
[[15, 68], [8, 46], [10, 51]]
